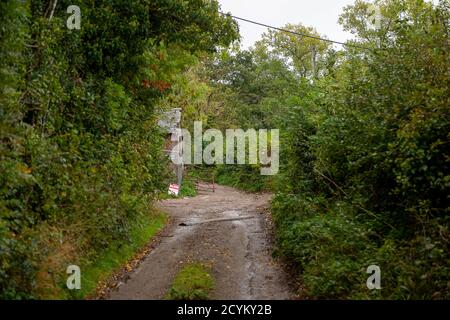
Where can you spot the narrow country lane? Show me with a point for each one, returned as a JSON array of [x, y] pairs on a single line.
[[227, 229]]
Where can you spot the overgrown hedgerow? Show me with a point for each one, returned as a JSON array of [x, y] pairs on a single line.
[[81, 153]]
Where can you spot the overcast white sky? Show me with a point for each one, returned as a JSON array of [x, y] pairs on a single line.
[[321, 14]]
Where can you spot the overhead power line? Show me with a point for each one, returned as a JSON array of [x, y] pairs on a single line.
[[297, 33]]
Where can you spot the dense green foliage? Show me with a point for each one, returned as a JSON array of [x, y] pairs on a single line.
[[364, 152], [81, 154], [364, 164]]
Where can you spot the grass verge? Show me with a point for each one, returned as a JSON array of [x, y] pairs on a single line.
[[117, 255], [193, 282]]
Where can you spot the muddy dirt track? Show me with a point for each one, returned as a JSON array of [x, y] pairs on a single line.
[[227, 229]]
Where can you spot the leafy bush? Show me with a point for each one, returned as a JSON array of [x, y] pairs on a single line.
[[366, 180], [332, 248], [81, 153]]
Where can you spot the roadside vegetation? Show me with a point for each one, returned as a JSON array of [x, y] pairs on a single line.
[[364, 139], [81, 153], [192, 282], [117, 255], [364, 135]]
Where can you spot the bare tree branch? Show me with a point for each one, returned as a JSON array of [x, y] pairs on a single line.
[[51, 9]]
